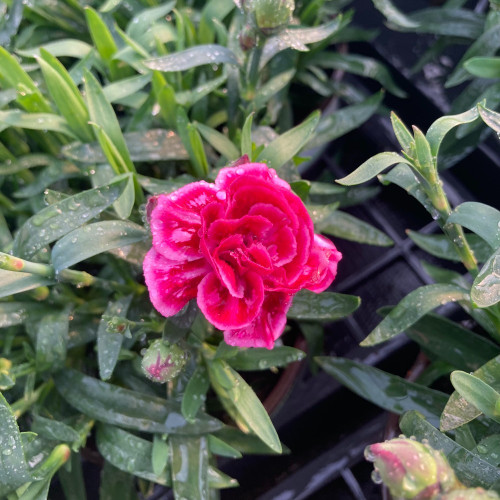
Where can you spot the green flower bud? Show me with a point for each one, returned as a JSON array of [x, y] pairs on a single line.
[[411, 469], [163, 361], [470, 494], [270, 16]]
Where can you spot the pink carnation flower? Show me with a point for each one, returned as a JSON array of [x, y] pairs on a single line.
[[242, 247]]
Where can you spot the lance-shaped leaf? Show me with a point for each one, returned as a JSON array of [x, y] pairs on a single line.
[[189, 464], [390, 392], [469, 468], [219, 142], [93, 239], [242, 404], [415, 305], [14, 470], [12, 282], [343, 225], [490, 117], [485, 290], [326, 306], [459, 411], [298, 38], [344, 120], [479, 218], [56, 220], [372, 167], [440, 246], [483, 67], [287, 145], [35, 121], [109, 343], [114, 405], [66, 47], [394, 15], [263, 359], [478, 393], [438, 130], [66, 95], [193, 57], [195, 393], [152, 145], [271, 88], [128, 453]]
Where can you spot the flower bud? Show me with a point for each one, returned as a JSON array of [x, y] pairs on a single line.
[[411, 469], [272, 15], [470, 494], [163, 361]]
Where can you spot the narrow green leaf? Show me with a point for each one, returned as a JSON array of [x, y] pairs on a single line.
[[249, 444], [440, 246], [114, 405], [394, 15], [93, 239], [343, 225], [423, 151], [58, 219], [271, 88], [403, 135], [66, 47], [478, 393], [486, 45], [159, 454], [72, 480], [13, 313], [189, 464], [485, 290], [102, 113], [242, 404], [52, 429], [469, 468], [371, 168], [358, 65], [195, 393], [326, 306], [13, 467], [125, 87], [298, 38], [13, 282], [219, 142], [219, 447], [35, 121], [146, 17], [479, 218], [490, 117], [188, 98], [438, 130], [435, 334], [52, 340], [415, 305], [246, 136], [287, 145], [193, 57], [66, 95], [483, 67], [393, 393], [129, 453], [12, 75], [152, 145], [344, 120], [263, 359], [109, 343]]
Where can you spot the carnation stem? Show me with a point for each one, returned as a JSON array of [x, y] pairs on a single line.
[[24, 404]]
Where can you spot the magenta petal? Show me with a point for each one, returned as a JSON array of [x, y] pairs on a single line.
[[321, 268], [266, 327], [227, 175], [172, 284], [225, 311], [176, 220]]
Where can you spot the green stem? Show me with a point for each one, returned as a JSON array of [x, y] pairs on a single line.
[[454, 232], [253, 70], [24, 404]]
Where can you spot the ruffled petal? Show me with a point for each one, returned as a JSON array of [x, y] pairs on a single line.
[[225, 311], [172, 284], [226, 176], [266, 327], [176, 220], [321, 269]]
